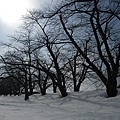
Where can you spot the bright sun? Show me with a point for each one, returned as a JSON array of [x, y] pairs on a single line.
[[12, 10]]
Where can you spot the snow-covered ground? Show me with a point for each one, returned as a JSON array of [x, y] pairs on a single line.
[[89, 105]]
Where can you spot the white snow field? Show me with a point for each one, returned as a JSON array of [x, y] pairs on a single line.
[[89, 105]]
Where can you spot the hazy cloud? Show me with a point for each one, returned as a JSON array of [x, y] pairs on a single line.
[[6, 29]]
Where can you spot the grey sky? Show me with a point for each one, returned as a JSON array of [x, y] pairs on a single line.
[[8, 29]]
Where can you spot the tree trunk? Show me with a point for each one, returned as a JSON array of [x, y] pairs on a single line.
[[26, 87], [111, 91], [63, 91], [54, 87], [44, 87], [26, 93], [77, 87], [30, 85], [60, 76], [112, 88], [43, 92]]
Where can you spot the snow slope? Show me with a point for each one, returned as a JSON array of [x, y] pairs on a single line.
[[89, 105]]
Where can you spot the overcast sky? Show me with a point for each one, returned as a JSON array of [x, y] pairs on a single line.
[[11, 12]]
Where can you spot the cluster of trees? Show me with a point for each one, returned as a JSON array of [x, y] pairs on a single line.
[[62, 46]]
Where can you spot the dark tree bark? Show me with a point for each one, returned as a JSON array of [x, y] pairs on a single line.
[[26, 87], [110, 62], [60, 77]]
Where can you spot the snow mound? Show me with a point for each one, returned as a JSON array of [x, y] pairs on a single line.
[[88, 105]]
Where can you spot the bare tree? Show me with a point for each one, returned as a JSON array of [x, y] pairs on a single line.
[[101, 21], [78, 72], [48, 39]]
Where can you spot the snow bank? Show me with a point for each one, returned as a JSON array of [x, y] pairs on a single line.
[[88, 105]]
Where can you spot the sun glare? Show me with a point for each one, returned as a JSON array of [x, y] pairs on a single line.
[[12, 10]]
